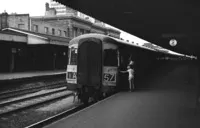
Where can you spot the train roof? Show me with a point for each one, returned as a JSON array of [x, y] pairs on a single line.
[[105, 38]]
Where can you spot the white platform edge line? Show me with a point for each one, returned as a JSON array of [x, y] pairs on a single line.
[[34, 76]]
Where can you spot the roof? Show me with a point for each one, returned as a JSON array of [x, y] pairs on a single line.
[[62, 17], [108, 38], [149, 19], [73, 17], [39, 35]]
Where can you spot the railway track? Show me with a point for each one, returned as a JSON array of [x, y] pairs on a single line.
[[64, 114], [18, 99], [14, 104], [23, 91], [57, 117]]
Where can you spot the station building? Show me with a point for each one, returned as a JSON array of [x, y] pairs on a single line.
[[41, 43]]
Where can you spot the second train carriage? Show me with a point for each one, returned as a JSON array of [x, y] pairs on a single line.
[[94, 60]]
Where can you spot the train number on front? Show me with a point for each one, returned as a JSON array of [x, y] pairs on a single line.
[[109, 77]]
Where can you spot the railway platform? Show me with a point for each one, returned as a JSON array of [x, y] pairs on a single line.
[[20, 80], [169, 101], [21, 75], [140, 109]]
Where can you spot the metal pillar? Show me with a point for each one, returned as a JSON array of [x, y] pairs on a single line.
[[12, 64], [54, 61], [198, 90]]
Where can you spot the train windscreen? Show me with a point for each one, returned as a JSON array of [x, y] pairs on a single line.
[[110, 57]]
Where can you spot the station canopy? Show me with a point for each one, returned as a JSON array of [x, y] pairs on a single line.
[[31, 38], [157, 21]]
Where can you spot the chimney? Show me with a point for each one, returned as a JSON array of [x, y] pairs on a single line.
[[47, 6], [4, 20]]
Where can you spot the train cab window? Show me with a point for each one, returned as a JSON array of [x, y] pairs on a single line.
[[110, 57], [73, 56]]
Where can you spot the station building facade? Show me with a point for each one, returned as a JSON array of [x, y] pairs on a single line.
[[41, 43]]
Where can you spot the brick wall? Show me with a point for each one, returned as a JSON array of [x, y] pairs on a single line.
[[20, 21], [50, 25], [68, 26]]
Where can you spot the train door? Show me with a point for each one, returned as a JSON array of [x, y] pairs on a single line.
[[90, 62], [110, 65], [125, 54]]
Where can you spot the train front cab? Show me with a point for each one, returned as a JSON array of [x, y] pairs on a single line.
[[89, 69], [96, 70], [97, 67], [71, 73]]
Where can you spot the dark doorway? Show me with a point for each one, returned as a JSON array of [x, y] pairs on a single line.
[[90, 63]]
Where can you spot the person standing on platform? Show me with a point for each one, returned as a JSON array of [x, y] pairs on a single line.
[[131, 63], [130, 72]]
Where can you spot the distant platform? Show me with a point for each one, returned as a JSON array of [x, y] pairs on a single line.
[[20, 75]]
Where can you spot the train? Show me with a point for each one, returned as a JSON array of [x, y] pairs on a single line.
[[94, 61]]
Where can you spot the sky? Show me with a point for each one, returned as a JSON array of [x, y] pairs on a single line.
[[33, 7]]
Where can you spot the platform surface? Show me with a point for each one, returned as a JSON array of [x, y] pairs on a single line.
[[168, 101], [142, 109]]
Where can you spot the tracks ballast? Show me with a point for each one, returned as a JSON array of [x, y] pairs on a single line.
[[12, 101], [17, 92]]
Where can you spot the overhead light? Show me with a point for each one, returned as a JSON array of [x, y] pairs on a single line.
[[173, 42]]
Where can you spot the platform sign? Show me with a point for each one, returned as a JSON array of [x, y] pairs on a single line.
[[109, 76], [71, 74]]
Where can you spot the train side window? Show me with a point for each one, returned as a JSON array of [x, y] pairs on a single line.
[[110, 57], [73, 56]]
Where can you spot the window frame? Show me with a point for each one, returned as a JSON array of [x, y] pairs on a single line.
[[35, 28], [53, 31], [23, 26], [59, 32], [46, 30]]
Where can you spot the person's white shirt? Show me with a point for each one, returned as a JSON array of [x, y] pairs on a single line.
[[131, 73]]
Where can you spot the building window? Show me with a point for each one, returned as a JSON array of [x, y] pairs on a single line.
[[59, 32], [75, 32], [81, 31], [65, 33], [87, 31], [35, 28], [21, 26], [68, 32], [46, 30], [53, 31]]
